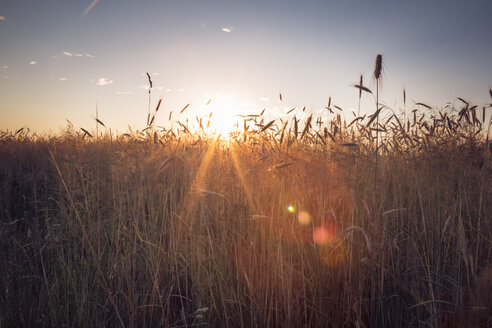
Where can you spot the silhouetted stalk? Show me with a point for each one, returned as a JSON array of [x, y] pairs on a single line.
[[377, 76], [150, 98], [360, 94]]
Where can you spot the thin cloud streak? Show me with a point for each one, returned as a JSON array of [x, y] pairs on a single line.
[[104, 81], [33, 62]]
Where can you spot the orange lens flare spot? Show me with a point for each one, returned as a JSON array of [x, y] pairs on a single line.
[[325, 233], [304, 218]]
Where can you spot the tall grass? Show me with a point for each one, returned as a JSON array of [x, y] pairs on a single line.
[[269, 227]]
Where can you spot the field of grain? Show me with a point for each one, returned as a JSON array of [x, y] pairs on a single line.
[[379, 221]]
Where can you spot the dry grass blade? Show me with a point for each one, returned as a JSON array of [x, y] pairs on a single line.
[[184, 108], [423, 105], [366, 237], [307, 126], [212, 193], [290, 111], [269, 124], [374, 116], [283, 132], [295, 127], [394, 211], [355, 120], [362, 88], [328, 134], [150, 81], [283, 165], [98, 121], [361, 83], [158, 105], [429, 302], [86, 132], [166, 162], [463, 101]]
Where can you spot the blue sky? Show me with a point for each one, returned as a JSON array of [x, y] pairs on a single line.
[[57, 63]]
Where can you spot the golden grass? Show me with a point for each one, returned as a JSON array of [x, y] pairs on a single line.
[[271, 226]]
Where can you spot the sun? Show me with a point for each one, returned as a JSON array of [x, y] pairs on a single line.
[[225, 110]]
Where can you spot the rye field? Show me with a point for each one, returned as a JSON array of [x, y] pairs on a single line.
[[381, 220]]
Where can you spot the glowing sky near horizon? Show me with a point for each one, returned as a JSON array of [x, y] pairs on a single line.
[[58, 58]]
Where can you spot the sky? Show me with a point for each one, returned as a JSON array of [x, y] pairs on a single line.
[[59, 59]]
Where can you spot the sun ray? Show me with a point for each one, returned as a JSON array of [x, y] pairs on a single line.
[[244, 184], [189, 204]]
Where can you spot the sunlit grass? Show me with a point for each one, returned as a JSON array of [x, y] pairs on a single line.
[[277, 224]]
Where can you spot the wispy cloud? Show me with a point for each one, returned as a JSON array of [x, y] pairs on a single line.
[[33, 62], [2, 18], [66, 53], [228, 29], [89, 55], [104, 81], [5, 67], [78, 55], [62, 79]]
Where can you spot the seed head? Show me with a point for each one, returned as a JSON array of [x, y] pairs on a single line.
[[379, 67]]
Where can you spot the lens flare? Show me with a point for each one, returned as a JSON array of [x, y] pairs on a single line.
[[90, 7], [291, 209], [325, 233], [304, 218]]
